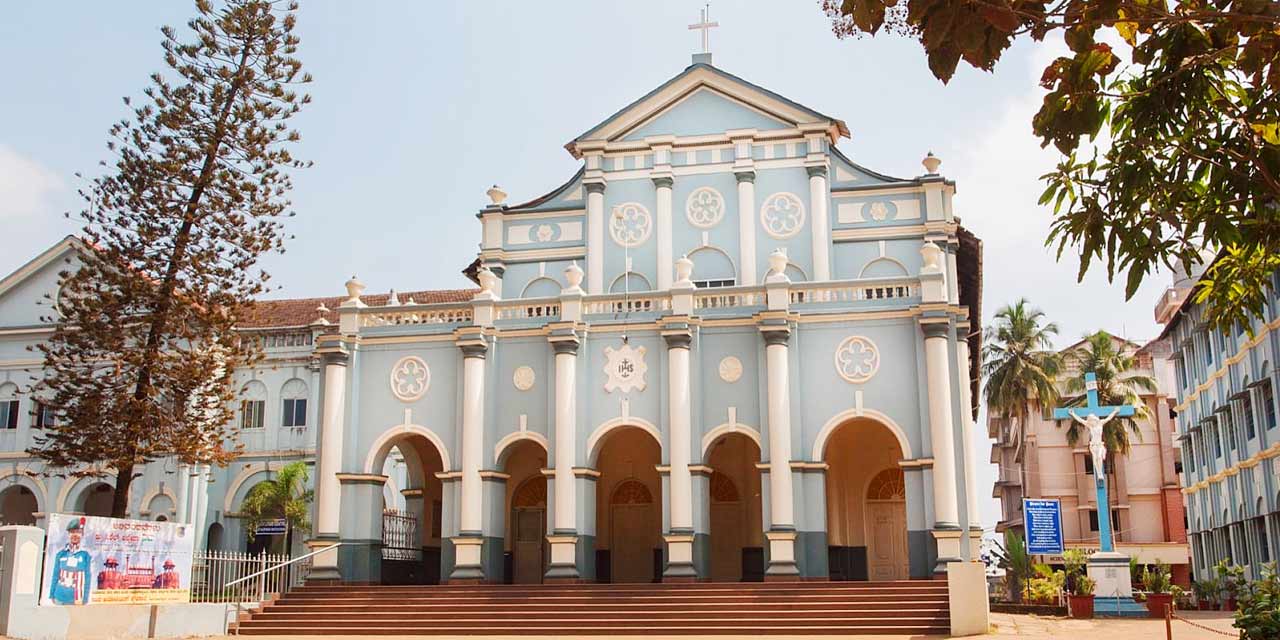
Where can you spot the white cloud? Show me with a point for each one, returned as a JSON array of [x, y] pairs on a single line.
[[26, 187]]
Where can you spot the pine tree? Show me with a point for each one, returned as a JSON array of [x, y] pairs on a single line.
[[139, 365]]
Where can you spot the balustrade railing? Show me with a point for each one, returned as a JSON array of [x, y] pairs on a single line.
[[528, 308], [614, 303], [854, 291], [728, 298], [416, 315]]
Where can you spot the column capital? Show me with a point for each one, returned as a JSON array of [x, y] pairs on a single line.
[[775, 331], [936, 329], [745, 176], [473, 349], [336, 357], [816, 171], [594, 187], [661, 181], [567, 345], [678, 339]]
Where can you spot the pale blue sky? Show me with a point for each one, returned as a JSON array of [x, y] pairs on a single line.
[[419, 107]]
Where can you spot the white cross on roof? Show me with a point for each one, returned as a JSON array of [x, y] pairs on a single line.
[[705, 26]]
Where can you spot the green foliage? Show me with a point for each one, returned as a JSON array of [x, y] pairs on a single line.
[[1046, 585], [1078, 582], [1206, 590], [1258, 610], [1019, 363], [285, 496], [1119, 383], [139, 365], [1170, 143], [1012, 556], [1157, 579], [1230, 578]]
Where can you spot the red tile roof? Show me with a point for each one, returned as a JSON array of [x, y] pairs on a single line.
[[300, 312]]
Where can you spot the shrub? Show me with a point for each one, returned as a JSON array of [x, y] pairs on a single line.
[[1157, 580], [1258, 609], [1046, 586]]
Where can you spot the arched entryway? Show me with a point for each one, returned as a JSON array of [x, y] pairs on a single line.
[[526, 534], [18, 505], [866, 503], [96, 500], [411, 535], [737, 533], [628, 507]]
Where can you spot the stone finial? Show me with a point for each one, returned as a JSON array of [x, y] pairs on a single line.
[[573, 275], [684, 269], [932, 255], [409, 300], [777, 262], [488, 280], [321, 312], [496, 195], [354, 289], [393, 300], [931, 164]]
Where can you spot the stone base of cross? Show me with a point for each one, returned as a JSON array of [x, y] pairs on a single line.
[[1108, 569]]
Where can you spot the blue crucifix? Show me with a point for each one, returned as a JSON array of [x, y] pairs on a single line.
[[1094, 417]]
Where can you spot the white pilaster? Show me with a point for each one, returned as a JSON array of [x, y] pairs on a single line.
[[821, 224], [182, 482], [662, 184], [595, 237], [566, 508], [746, 227], [778, 371], [679, 415], [940, 425], [202, 504], [328, 489], [970, 465], [471, 507]]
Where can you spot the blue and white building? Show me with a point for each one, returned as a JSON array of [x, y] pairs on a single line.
[[720, 350]]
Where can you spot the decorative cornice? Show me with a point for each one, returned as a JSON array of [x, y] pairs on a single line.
[[360, 478]]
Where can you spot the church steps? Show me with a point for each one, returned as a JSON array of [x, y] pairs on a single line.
[[593, 609]]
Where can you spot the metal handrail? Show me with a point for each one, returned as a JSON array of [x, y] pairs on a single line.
[[282, 564]]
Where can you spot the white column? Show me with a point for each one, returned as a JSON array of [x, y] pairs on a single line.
[[970, 464], [663, 229], [566, 442], [746, 227], [679, 415], [202, 504], [182, 482], [328, 489], [472, 437], [779, 398], [937, 366], [821, 225], [193, 496], [595, 237]]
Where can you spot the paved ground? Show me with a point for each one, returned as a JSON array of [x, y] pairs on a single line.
[[1006, 625]]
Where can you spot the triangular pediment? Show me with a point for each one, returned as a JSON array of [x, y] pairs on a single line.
[[23, 293], [683, 102]]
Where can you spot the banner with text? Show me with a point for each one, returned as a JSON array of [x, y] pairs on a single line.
[[1042, 520], [92, 560]]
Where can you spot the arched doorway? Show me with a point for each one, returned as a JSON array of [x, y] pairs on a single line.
[[96, 500], [886, 522], [526, 534], [213, 541], [628, 507], [737, 533], [18, 505], [866, 504], [411, 537]]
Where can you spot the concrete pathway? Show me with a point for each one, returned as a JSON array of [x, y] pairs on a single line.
[[1006, 625]]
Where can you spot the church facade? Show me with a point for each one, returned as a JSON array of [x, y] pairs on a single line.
[[721, 350]]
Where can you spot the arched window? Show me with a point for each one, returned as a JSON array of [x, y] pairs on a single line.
[[293, 400], [253, 404], [883, 268], [542, 287], [795, 274], [630, 281], [8, 406], [713, 268]]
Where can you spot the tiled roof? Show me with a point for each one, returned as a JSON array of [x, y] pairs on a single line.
[[300, 312]]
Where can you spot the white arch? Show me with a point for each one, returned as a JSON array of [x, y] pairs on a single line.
[[597, 436], [804, 275], [524, 293], [144, 507], [248, 472], [384, 442], [68, 486], [710, 248], [820, 444], [648, 286], [898, 263], [41, 492], [511, 439], [726, 429]]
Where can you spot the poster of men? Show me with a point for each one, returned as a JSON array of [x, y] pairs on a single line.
[[92, 560]]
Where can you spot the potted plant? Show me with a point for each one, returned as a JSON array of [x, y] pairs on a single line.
[[1259, 614], [1046, 586], [1230, 580], [1158, 583], [1206, 591], [1079, 585]]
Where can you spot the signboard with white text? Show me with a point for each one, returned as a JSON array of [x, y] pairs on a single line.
[[1042, 520]]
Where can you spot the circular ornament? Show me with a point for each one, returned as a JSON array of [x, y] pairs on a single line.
[[630, 224], [782, 215], [410, 378], [705, 207], [881, 211], [857, 359], [523, 378], [730, 369]]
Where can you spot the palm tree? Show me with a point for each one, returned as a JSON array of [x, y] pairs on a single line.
[[1119, 383], [284, 497], [1019, 364]]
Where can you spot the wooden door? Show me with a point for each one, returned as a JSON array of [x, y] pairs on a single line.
[[528, 547], [632, 529], [887, 548]]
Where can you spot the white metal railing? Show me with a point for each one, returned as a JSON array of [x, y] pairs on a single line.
[[526, 308], [855, 290], [416, 314], [239, 577]]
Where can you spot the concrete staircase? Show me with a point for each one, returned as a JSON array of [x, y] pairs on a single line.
[[842, 608]]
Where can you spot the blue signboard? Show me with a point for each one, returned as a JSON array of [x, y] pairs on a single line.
[[272, 527], [1043, 521]]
